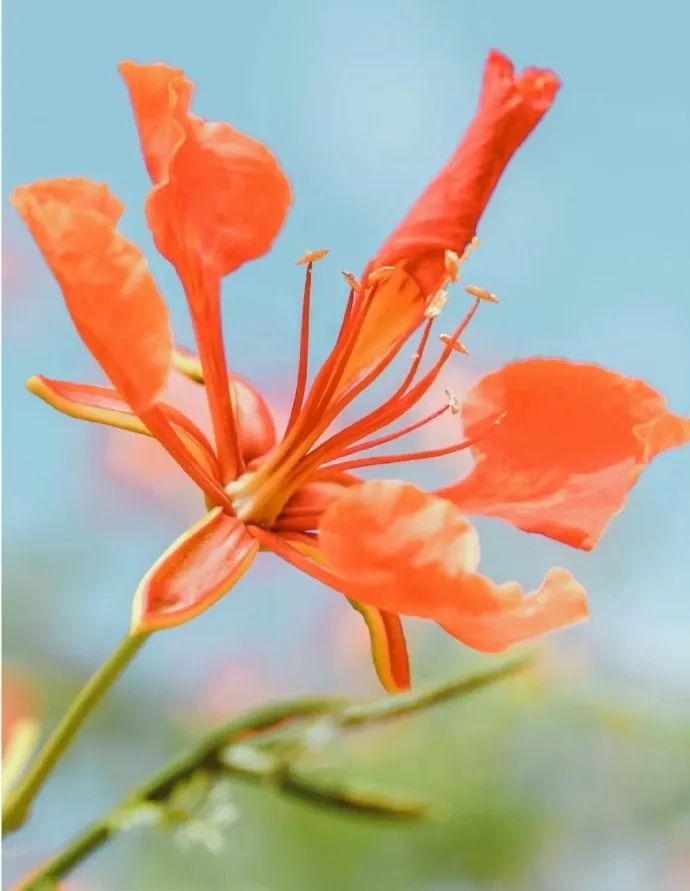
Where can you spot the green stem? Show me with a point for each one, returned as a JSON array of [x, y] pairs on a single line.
[[274, 722], [205, 754], [17, 806]]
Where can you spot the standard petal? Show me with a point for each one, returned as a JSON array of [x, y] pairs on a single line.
[[574, 440], [220, 197], [195, 572], [448, 212], [103, 405], [396, 309], [394, 547], [110, 293]]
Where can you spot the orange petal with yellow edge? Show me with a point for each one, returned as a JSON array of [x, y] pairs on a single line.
[[386, 633], [446, 215], [194, 573], [220, 197], [574, 440], [400, 549], [388, 647], [110, 293], [102, 405]]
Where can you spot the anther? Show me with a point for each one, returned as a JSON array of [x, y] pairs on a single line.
[[481, 294], [436, 304], [312, 257], [453, 401], [447, 340], [353, 282]]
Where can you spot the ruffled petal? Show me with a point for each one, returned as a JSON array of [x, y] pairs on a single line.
[[448, 212], [219, 200], [102, 405], [194, 573], [573, 442], [110, 293], [559, 602], [394, 547], [220, 197]]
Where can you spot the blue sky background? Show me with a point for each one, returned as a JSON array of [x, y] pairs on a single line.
[[585, 242]]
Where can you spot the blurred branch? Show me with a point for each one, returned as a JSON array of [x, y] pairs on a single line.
[[263, 746]]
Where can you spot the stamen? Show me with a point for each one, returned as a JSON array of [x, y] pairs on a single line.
[[302, 369], [453, 401], [160, 427], [390, 437], [309, 257], [414, 456], [453, 261], [354, 283], [393, 408], [454, 344], [436, 305], [481, 294], [416, 360], [291, 555]]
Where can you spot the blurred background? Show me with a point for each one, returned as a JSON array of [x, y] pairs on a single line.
[[576, 778]]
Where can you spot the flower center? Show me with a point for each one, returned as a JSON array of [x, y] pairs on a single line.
[[306, 453]]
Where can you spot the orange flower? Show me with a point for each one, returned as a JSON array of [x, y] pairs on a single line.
[[558, 445], [20, 727]]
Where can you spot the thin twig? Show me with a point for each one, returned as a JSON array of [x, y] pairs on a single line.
[[243, 748]]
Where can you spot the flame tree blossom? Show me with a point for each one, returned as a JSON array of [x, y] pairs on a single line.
[[557, 445]]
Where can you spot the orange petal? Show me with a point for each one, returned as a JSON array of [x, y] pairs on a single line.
[[195, 572], [388, 647], [560, 602], [102, 405], [255, 421], [573, 442], [220, 197], [112, 297], [20, 703], [386, 633], [396, 310], [400, 549], [219, 200], [447, 213]]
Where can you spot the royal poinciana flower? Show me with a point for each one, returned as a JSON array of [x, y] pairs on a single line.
[[557, 445]]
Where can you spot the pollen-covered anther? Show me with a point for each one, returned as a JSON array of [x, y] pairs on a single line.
[[436, 304], [453, 401], [312, 257], [447, 340], [481, 294], [353, 282]]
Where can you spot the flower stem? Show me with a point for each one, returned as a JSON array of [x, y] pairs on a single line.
[[17, 806], [225, 752]]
